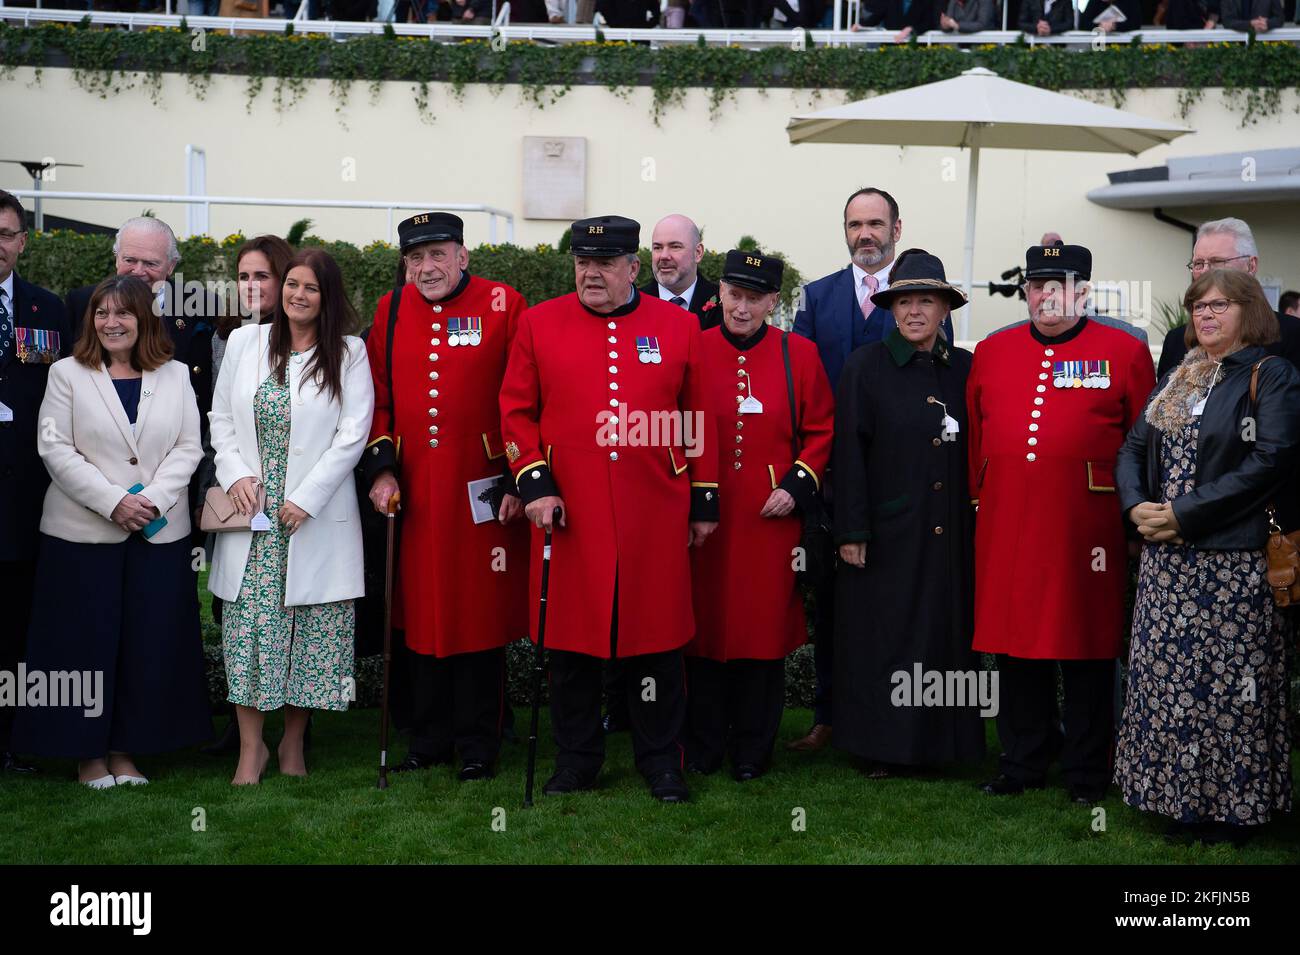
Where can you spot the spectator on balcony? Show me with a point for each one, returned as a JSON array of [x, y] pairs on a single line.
[[633, 14], [1259, 16], [902, 17], [1111, 16], [969, 16], [1046, 18], [1191, 14], [465, 12]]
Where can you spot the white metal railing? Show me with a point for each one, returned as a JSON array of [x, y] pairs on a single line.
[[203, 201], [573, 33]]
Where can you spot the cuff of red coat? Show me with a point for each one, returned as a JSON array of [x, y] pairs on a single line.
[[380, 455], [800, 482], [534, 482], [704, 502]]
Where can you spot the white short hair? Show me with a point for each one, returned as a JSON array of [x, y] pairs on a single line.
[[157, 227], [1243, 238]]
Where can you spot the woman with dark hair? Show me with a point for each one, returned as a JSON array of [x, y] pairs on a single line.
[[120, 438], [289, 422], [1204, 738], [260, 264]]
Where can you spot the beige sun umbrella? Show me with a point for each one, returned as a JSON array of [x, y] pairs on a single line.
[[980, 109]]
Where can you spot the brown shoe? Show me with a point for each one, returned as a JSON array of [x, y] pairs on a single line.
[[818, 737]]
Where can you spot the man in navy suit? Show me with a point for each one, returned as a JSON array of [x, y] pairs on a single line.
[[837, 314], [34, 333]]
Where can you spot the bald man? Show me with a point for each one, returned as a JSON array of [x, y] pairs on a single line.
[[675, 253]]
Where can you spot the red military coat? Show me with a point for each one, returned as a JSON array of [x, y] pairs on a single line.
[[747, 602], [585, 416], [1050, 549], [460, 585]]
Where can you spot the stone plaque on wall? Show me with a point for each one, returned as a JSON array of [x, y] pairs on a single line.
[[555, 177]]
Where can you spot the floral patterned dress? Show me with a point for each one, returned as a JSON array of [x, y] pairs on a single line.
[[1204, 735], [278, 655]]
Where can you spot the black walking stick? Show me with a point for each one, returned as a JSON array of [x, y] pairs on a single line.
[[390, 514], [539, 660]]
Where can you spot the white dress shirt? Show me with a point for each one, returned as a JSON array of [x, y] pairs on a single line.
[[668, 294], [882, 277]]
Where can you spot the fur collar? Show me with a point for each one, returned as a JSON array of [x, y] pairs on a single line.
[[1191, 381]]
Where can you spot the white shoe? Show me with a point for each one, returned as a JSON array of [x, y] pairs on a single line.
[[103, 782], [130, 780]]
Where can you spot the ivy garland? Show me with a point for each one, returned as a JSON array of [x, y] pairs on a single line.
[[109, 62]]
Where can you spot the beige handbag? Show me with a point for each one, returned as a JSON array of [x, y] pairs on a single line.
[[219, 513]]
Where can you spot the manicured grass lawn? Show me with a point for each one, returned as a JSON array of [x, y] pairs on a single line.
[[337, 815]]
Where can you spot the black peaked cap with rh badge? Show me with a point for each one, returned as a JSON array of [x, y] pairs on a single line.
[[1058, 262], [605, 236], [753, 270], [430, 227]]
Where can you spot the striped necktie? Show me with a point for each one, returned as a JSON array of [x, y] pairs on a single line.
[[6, 330]]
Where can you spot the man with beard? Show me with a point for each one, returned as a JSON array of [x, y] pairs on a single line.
[[675, 253], [836, 313]]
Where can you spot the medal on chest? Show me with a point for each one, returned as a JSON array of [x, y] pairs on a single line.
[[647, 350], [464, 331], [1084, 373]]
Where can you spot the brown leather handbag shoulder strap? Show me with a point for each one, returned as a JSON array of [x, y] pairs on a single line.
[[1254, 379]]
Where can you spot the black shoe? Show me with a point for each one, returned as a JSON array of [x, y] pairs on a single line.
[[744, 772], [10, 763], [1217, 833], [567, 780], [668, 786], [1004, 785], [1086, 795], [415, 761], [473, 769], [226, 744], [612, 724]]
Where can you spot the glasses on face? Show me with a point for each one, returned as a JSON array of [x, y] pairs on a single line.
[[1218, 306], [8, 235], [1200, 265]]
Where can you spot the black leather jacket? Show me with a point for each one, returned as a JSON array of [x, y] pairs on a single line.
[[1235, 478]]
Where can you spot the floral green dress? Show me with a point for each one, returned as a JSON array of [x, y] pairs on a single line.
[[278, 655]]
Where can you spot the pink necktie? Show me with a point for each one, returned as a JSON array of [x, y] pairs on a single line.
[[872, 283]]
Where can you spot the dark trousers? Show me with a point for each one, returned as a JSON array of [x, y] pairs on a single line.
[[1028, 719], [615, 692], [656, 723], [732, 709], [824, 649], [17, 581], [457, 703]]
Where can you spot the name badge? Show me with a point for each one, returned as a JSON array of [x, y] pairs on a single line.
[[1199, 408], [259, 522], [950, 425], [751, 405], [6, 413]]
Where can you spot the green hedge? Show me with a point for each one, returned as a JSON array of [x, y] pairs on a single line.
[[1253, 74], [62, 260]]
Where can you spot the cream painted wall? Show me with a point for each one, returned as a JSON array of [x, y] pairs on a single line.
[[735, 175]]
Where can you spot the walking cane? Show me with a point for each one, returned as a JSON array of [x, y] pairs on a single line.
[[390, 515], [539, 662]]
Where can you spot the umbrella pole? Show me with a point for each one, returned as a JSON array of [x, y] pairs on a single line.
[[972, 189]]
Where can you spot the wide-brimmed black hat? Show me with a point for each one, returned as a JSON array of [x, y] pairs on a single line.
[[753, 270], [1058, 261], [430, 227], [918, 271], [605, 236]]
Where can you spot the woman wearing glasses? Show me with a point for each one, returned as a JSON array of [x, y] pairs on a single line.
[[1204, 738]]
